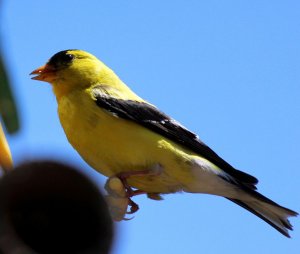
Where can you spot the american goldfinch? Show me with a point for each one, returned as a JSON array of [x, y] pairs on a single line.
[[121, 135]]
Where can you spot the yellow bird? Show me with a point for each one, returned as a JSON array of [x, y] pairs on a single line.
[[121, 135]]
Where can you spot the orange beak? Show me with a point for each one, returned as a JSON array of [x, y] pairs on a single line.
[[44, 73]]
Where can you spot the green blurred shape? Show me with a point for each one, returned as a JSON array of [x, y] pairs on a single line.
[[8, 109]]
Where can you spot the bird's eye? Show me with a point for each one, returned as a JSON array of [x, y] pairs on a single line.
[[67, 58], [61, 59]]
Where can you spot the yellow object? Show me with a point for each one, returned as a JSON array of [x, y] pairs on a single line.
[[5, 156], [117, 132]]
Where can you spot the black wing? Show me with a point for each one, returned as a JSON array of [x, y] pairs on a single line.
[[155, 120]]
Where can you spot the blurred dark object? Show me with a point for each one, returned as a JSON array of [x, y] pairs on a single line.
[[8, 109], [47, 207]]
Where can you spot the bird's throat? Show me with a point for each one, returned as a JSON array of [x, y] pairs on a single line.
[[61, 89]]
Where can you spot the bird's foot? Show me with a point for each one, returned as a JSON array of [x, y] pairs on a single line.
[[134, 207], [120, 192], [119, 200], [154, 170]]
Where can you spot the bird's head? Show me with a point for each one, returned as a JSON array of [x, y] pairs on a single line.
[[71, 69]]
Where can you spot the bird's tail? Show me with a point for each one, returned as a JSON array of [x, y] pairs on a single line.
[[239, 188], [272, 213]]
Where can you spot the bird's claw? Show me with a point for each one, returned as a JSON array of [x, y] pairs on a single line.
[[119, 200], [133, 207], [120, 192]]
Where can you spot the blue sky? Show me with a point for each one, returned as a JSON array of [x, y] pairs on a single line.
[[228, 70]]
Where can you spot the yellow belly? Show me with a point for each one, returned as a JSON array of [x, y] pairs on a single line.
[[112, 145]]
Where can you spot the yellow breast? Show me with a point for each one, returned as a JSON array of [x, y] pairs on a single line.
[[112, 145]]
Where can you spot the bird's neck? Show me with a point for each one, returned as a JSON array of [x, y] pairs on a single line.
[[60, 90]]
